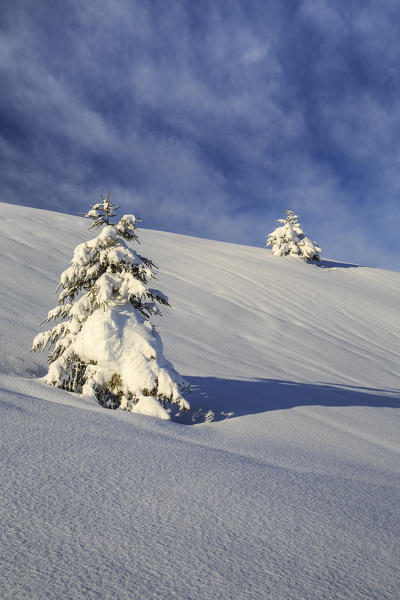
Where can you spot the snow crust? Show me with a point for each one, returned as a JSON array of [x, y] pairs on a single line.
[[291, 491]]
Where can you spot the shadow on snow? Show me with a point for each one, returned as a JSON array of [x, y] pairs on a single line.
[[214, 399], [331, 264]]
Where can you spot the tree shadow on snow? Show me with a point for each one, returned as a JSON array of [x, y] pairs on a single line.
[[332, 264], [214, 399]]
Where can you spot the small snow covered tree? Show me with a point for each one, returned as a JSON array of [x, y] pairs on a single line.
[[105, 345], [289, 240]]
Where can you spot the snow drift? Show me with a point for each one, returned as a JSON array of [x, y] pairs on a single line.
[[291, 491]]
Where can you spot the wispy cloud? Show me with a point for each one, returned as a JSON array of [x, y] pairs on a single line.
[[208, 119]]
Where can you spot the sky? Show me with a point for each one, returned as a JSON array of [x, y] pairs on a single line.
[[209, 118]]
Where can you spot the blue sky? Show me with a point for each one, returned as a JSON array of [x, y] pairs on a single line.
[[209, 118]]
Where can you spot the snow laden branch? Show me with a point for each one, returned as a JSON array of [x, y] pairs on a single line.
[[289, 240], [105, 345], [102, 212]]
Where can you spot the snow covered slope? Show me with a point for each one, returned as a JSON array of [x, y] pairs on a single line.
[[292, 491]]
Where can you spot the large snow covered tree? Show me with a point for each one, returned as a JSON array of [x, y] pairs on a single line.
[[289, 240], [105, 345]]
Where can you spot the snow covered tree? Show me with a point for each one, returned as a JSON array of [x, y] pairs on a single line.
[[289, 240], [105, 345]]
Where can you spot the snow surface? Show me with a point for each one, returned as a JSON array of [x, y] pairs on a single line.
[[291, 492]]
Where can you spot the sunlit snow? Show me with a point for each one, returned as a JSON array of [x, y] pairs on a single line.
[[283, 480]]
